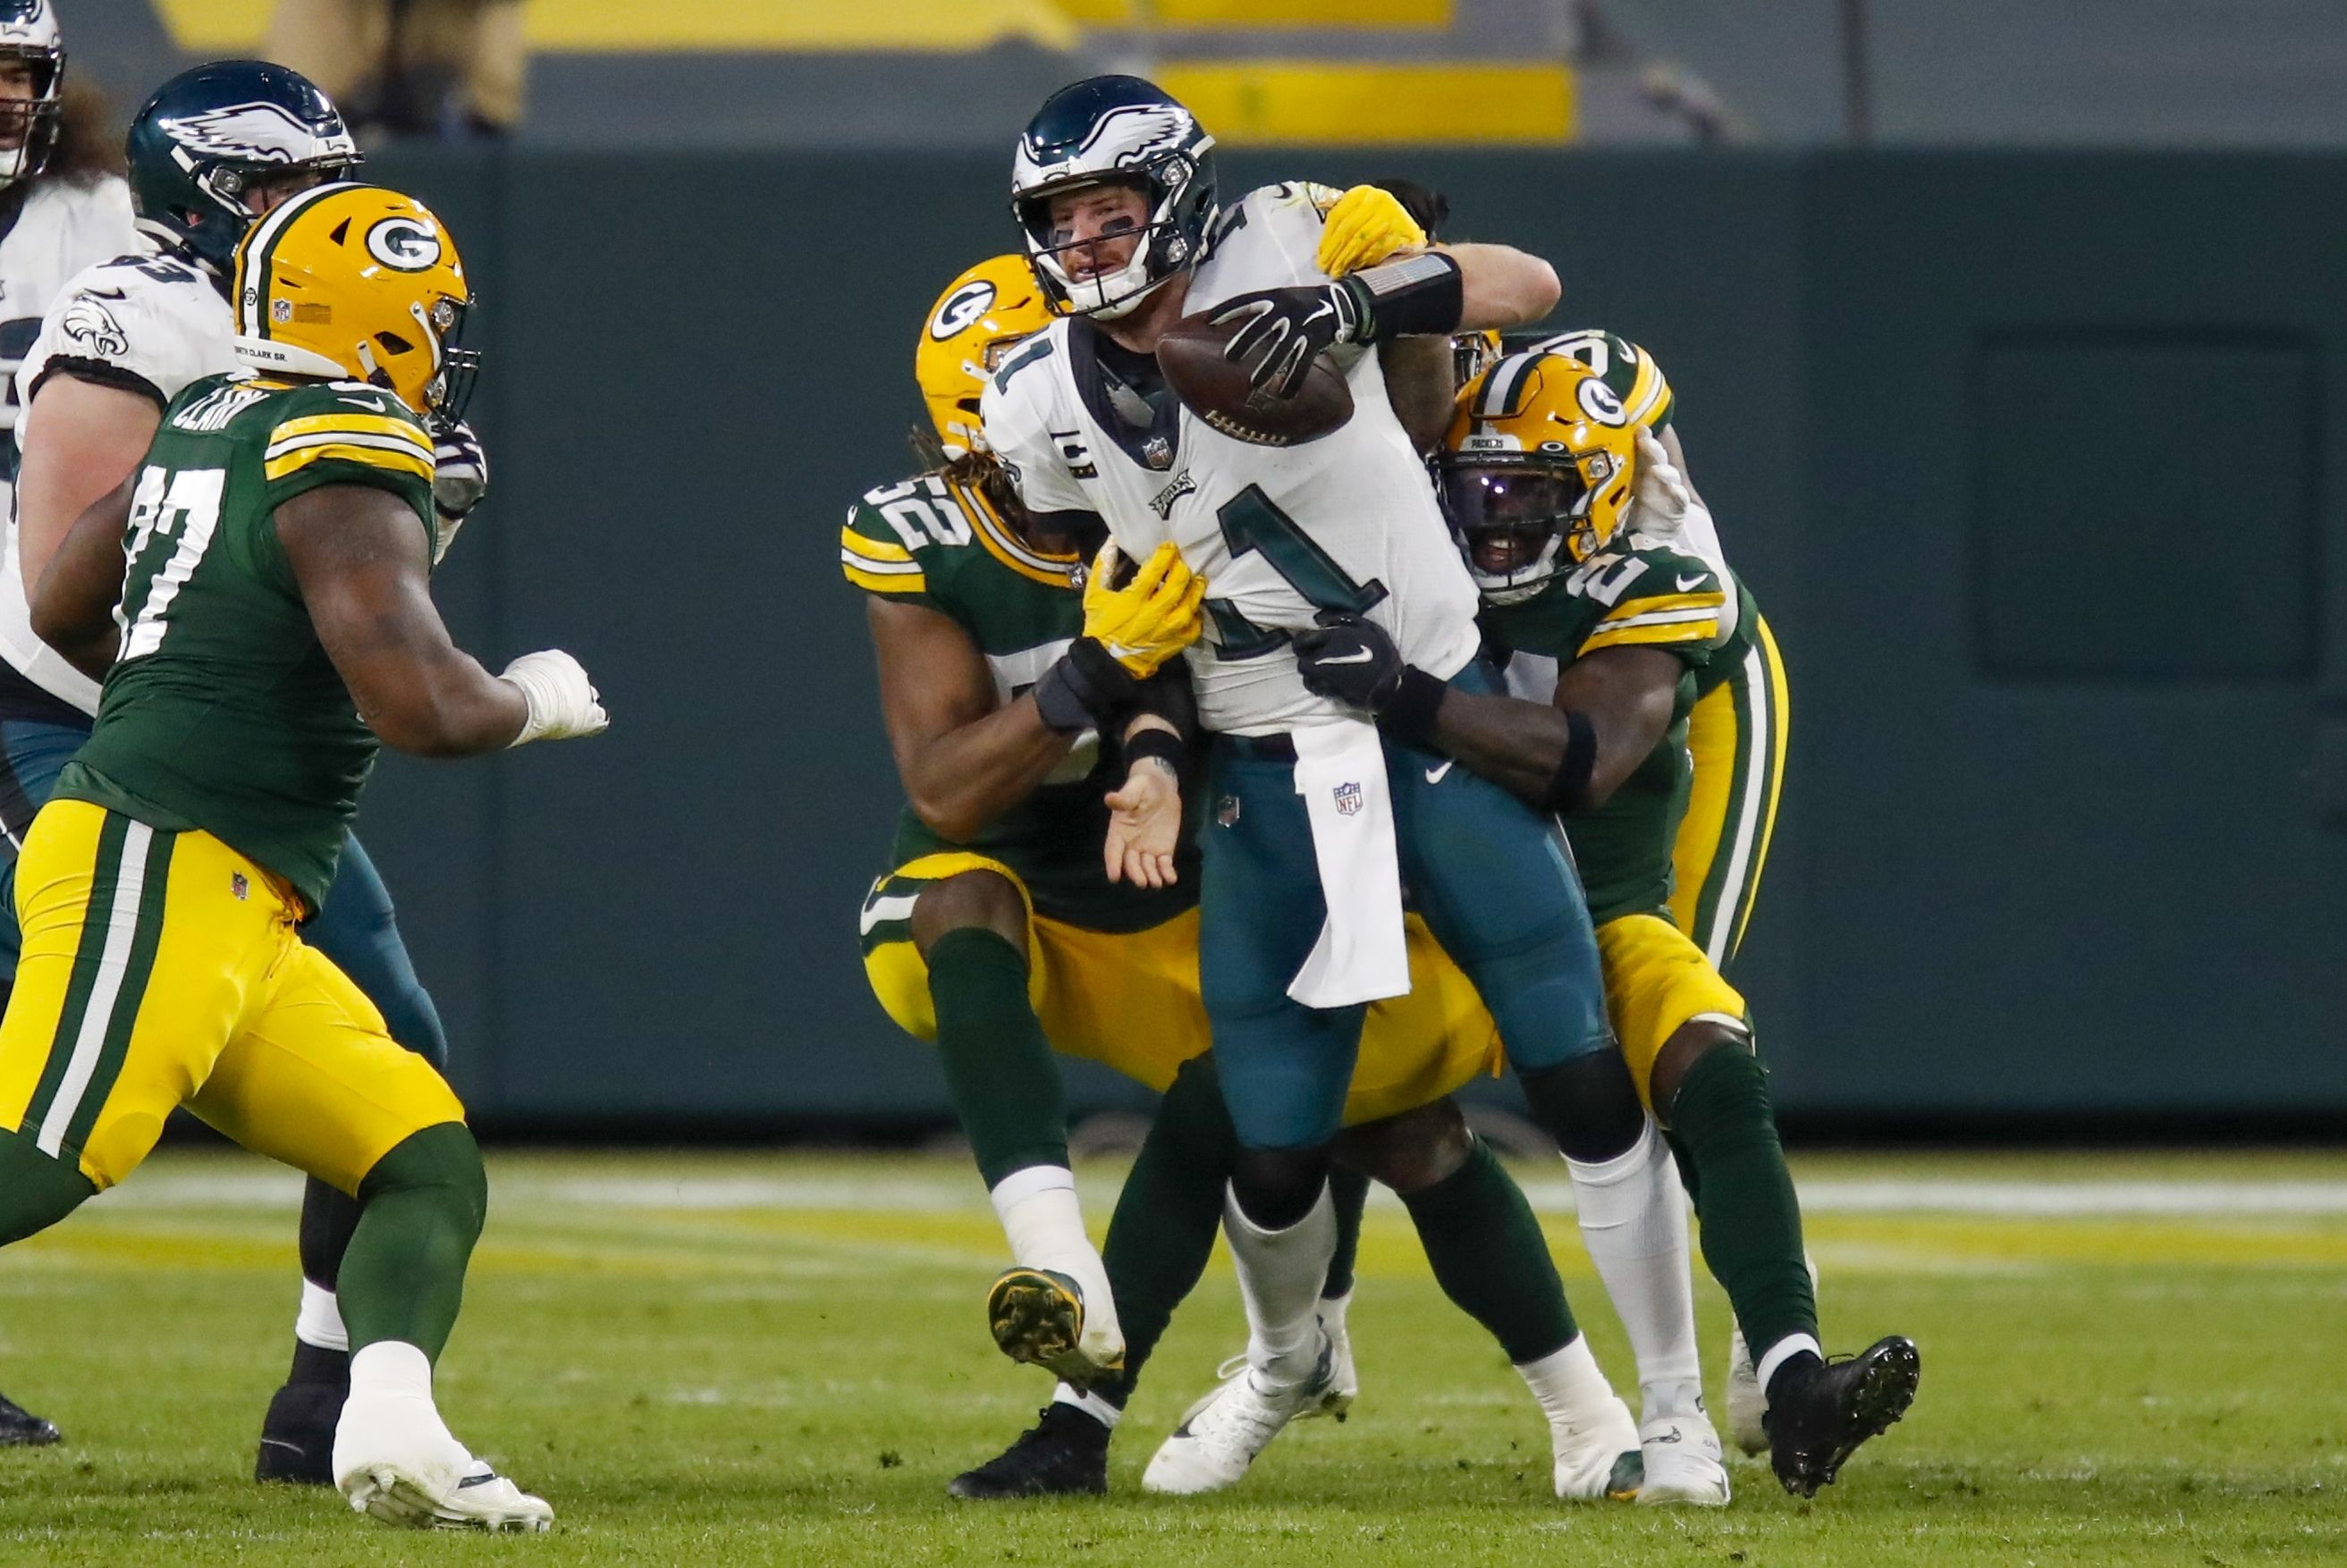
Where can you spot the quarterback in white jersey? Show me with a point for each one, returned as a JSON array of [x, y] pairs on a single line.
[[1318, 816], [1351, 514]]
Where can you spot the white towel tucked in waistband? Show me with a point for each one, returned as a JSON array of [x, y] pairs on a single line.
[[1340, 772]]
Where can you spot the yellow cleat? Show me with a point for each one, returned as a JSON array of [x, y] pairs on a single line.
[[1038, 1318]]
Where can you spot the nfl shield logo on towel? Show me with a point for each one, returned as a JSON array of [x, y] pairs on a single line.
[[1348, 800]]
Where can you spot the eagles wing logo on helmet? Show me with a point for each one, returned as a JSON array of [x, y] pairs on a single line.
[[1148, 128], [93, 326], [34, 27], [255, 133]]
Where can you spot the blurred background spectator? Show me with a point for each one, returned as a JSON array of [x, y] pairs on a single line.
[[410, 68]]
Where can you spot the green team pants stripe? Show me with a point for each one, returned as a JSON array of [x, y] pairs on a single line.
[[112, 962]]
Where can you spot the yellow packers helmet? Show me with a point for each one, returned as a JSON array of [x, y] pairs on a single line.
[[358, 282], [975, 323], [1536, 471]]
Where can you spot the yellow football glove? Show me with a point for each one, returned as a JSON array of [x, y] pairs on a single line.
[[1150, 619], [1367, 225]]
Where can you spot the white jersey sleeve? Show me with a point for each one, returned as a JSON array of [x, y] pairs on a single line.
[[1029, 429], [143, 323]]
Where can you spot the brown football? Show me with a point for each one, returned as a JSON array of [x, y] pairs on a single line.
[[1217, 389]]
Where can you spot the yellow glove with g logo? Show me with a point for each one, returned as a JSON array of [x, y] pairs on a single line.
[[1149, 620], [1367, 225]]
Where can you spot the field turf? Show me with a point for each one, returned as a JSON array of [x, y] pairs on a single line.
[[706, 1359]]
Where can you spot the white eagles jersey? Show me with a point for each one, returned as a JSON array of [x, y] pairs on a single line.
[[63, 228], [1346, 522], [146, 323]]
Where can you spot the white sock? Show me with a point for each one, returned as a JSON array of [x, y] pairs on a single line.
[[320, 1320], [1045, 1227], [1782, 1351], [1332, 1310], [1634, 1220], [392, 1369], [1570, 1389], [1092, 1405], [1280, 1276]]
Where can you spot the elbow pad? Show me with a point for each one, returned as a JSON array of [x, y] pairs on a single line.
[[1569, 786]]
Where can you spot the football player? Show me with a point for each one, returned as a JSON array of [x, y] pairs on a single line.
[[1317, 816], [1610, 629], [1001, 895], [60, 209], [270, 559], [212, 150]]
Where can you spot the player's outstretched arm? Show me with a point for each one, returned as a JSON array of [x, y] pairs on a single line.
[[965, 760], [73, 603], [1611, 709], [83, 440], [363, 564], [1502, 287]]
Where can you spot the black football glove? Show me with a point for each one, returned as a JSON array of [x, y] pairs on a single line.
[[1286, 329], [1348, 660]]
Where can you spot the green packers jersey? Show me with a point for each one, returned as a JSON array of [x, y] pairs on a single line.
[[222, 711], [1627, 370], [1634, 593], [941, 545]]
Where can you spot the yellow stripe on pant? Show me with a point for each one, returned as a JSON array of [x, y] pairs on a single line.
[[163, 969], [1130, 1001], [1735, 738]]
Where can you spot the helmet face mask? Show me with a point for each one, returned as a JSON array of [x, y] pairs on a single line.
[[28, 35], [1535, 471], [1515, 519], [1114, 129]]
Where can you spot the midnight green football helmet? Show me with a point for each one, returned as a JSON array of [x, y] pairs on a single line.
[[207, 137]]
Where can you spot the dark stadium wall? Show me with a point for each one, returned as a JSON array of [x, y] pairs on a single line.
[[2029, 459]]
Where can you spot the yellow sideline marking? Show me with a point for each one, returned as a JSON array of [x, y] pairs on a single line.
[[610, 26], [1260, 13], [1305, 104]]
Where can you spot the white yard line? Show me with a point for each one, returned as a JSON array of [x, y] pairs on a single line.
[[957, 1192]]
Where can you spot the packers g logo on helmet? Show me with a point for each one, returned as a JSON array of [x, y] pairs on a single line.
[[358, 282], [981, 317], [1536, 471]]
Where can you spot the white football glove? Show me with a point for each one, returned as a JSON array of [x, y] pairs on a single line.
[[1661, 499], [562, 705]]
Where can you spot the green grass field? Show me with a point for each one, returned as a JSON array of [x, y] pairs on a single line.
[[737, 1359]]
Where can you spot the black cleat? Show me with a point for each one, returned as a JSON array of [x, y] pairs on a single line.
[[20, 1429], [1062, 1455], [1819, 1413], [297, 1436]]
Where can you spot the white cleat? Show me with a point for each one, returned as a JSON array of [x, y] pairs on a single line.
[[1344, 1382], [397, 1461], [1222, 1433], [1747, 1402], [1598, 1460], [1683, 1464]]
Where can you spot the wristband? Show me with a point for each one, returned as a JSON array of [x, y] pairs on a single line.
[[1086, 690], [1419, 295], [1164, 744], [1409, 714], [1570, 786]]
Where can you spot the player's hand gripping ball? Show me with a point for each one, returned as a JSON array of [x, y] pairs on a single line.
[[1150, 619], [1195, 359], [1367, 225]]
